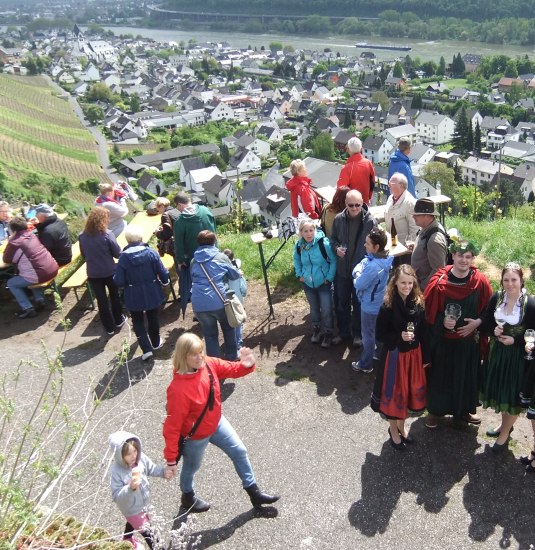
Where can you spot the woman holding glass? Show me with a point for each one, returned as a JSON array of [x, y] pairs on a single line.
[[510, 312], [453, 380], [400, 382]]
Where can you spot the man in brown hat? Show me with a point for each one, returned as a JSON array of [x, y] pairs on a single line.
[[430, 249]]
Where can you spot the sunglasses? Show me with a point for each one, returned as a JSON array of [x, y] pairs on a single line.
[[355, 205]]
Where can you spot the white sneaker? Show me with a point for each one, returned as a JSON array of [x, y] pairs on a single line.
[[146, 356], [160, 345]]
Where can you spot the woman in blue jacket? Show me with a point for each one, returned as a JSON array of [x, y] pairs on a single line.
[[211, 267], [141, 273], [315, 267]]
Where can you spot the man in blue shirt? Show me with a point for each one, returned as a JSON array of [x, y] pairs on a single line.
[[400, 162]]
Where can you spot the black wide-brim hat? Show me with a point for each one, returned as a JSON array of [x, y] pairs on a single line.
[[425, 206]]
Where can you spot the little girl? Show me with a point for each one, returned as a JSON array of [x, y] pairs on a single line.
[[130, 487]]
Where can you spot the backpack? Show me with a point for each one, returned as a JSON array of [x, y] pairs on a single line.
[[321, 244], [449, 241]]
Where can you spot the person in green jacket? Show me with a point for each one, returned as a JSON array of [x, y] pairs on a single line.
[[192, 220]]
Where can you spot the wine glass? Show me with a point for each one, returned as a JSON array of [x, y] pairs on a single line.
[[529, 338], [410, 329], [453, 311], [499, 318]]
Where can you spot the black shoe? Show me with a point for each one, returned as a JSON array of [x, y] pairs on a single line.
[[491, 432], [409, 439], [194, 504], [357, 342], [530, 469], [258, 497], [40, 305], [26, 314], [398, 446], [527, 459], [499, 448]]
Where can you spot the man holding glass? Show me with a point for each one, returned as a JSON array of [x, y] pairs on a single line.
[[455, 301], [350, 228]]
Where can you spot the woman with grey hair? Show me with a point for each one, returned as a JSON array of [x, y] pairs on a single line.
[[141, 273]]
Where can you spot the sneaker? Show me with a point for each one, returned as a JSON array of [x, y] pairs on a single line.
[[338, 339], [160, 345], [356, 367], [119, 325], [110, 332], [357, 342], [26, 313], [327, 339], [316, 336], [431, 421], [146, 356]]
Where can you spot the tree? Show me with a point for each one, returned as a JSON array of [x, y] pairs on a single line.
[[134, 103], [416, 102], [94, 113], [458, 173], [347, 119], [441, 71], [397, 71], [511, 70], [429, 68], [509, 196], [469, 142], [438, 172], [458, 140], [323, 147], [381, 98], [99, 92]]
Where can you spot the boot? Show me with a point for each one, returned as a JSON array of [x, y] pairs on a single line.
[[194, 504], [258, 497]]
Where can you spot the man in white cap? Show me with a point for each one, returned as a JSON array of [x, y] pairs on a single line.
[[431, 245], [53, 234]]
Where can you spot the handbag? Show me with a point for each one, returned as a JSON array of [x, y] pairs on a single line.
[[234, 309], [209, 404]]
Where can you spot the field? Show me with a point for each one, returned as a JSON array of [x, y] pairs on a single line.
[[40, 133]]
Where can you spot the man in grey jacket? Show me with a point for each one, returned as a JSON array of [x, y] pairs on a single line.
[[349, 232], [430, 249]]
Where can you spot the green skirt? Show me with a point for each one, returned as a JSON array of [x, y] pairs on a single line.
[[504, 376]]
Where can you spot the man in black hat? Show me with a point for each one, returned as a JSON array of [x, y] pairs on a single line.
[[431, 246]]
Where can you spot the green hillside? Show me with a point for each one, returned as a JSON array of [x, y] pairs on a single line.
[[40, 133]]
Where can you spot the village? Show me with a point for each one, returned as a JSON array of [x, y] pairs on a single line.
[[277, 101]]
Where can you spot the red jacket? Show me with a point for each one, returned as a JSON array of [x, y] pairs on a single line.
[[187, 395], [358, 174], [299, 187], [34, 262]]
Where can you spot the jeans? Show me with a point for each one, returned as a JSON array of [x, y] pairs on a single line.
[[110, 309], [239, 337], [368, 339], [17, 286], [208, 321], [347, 307], [152, 339], [226, 438], [321, 306]]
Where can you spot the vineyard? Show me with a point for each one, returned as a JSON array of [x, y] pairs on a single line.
[[40, 133]]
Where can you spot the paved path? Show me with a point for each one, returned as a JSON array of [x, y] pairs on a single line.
[[314, 441]]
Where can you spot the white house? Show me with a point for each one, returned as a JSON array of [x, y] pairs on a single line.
[[394, 134], [244, 160], [479, 171], [377, 149], [217, 110], [435, 129], [196, 179]]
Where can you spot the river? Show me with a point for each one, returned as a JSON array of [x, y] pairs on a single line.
[[426, 50]]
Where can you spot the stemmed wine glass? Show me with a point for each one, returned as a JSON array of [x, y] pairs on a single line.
[[453, 312], [529, 338], [498, 317]]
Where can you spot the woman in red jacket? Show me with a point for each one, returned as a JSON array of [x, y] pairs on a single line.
[[302, 197], [194, 394]]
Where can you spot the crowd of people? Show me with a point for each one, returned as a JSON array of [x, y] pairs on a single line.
[[427, 321]]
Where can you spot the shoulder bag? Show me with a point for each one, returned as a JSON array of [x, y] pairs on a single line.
[[209, 404], [234, 309]]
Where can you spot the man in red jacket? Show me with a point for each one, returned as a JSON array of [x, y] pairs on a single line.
[[358, 172], [34, 263]]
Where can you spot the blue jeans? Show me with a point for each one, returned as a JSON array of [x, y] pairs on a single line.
[[208, 321], [17, 286], [150, 339], [368, 339], [347, 307], [321, 306], [226, 438], [239, 336]]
